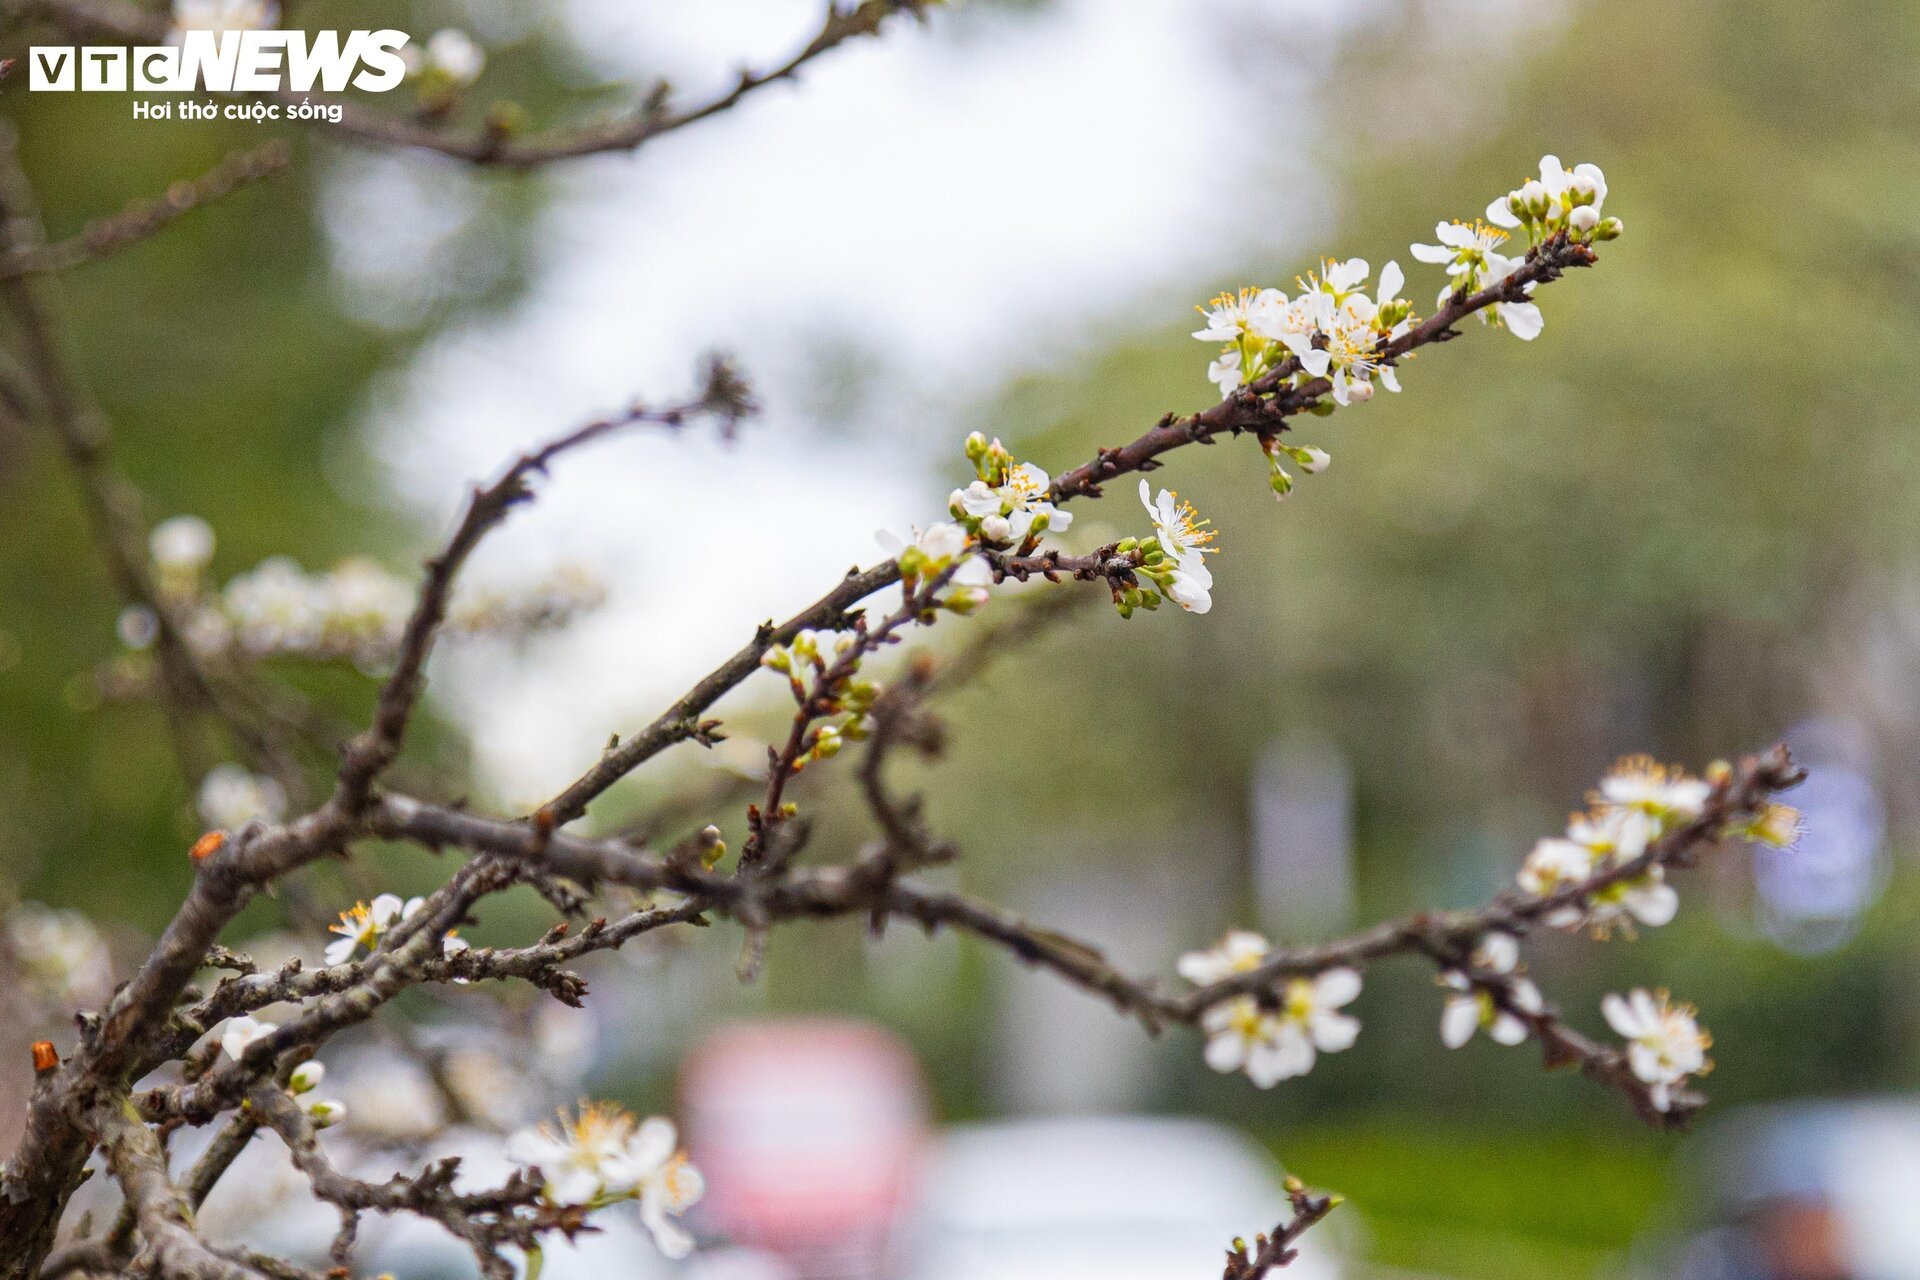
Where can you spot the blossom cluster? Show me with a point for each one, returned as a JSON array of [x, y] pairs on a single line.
[[1560, 201], [1006, 505], [357, 611], [602, 1155], [1335, 328], [1271, 1040], [812, 664], [1634, 805], [59, 956]]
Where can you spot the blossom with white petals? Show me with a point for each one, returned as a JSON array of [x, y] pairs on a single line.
[[1545, 206], [1186, 542], [230, 798], [1006, 504], [60, 954], [1271, 1045], [221, 16], [243, 1031], [1665, 1042], [452, 55], [181, 546], [602, 1154], [362, 924], [1641, 784], [1471, 1006]]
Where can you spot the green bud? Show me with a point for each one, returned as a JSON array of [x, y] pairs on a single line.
[[1126, 610], [1322, 408], [1281, 481], [1609, 229], [976, 447], [1150, 600], [1126, 546]]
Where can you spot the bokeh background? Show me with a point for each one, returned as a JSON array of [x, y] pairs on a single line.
[[1682, 521]]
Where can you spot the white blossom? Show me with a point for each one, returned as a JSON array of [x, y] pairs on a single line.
[[1645, 786], [231, 797], [1470, 1007], [602, 1154], [61, 953], [1240, 951], [221, 16], [453, 53], [1665, 1043], [182, 545], [276, 606], [1271, 1045], [243, 1031], [1186, 540], [362, 924], [1007, 503]]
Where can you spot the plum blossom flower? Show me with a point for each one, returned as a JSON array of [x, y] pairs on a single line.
[[1596, 842], [59, 953], [362, 924], [1642, 785], [453, 54], [1240, 951], [1270, 1045], [221, 16], [1008, 502], [181, 546], [1545, 205], [231, 797], [1186, 540], [1665, 1042], [241, 1032], [602, 1154], [1471, 1007]]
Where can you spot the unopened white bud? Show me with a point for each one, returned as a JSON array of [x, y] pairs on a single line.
[[1534, 195], [183, 544], [306, 1077], [1314, 461], [1583, 219], [1360, 391], [996, 529]]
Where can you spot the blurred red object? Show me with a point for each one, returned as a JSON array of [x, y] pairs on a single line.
[[808, 1132]]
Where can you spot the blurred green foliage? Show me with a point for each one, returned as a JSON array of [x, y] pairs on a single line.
[[1657, 527]]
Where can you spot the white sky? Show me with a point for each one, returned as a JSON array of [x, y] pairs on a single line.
[[935, 210]]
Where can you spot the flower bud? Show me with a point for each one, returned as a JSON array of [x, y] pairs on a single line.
[[996, 529], [777, 659], [1360, 391], [976, 447], [326, 1114], [1312, 461], [1533, 194], [1583, 219], [826, 743], [306, 1077], [1609, 229]]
